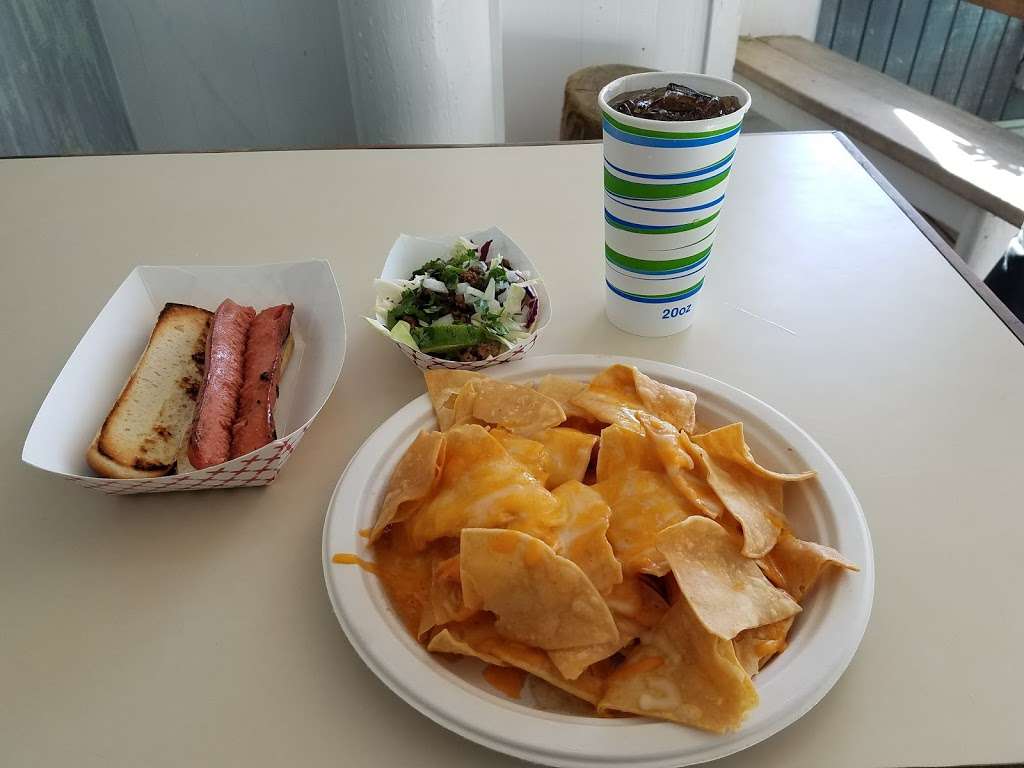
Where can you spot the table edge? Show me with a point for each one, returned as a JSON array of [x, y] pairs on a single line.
[[1013, 324], [341, 147]]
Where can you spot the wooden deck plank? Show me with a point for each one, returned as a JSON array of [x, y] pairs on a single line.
[[975, 159]]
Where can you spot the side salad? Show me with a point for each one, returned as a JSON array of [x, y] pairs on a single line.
[[471, 305]]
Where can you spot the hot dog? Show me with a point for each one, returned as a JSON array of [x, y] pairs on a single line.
[[264, 359], [210, 441]]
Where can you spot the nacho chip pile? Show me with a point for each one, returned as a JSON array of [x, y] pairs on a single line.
[[585, 534]]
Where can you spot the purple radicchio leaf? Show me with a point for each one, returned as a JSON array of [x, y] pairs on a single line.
[[531, 303]]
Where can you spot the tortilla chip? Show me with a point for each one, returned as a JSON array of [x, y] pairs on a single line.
[[540, 599], [583, 538], [568, 454], [665, 439], [445, 642], [636, 600], [684, 463], [800, 563], [465, 402], [623, 450], [519, 409], [770, 570], [727, 591], [619, 393], [751, 493], [589, 686], [443, 386], [573, 662], [507, 680], [482, 486], [676, 406], [672, 592], [642, 503], [683, 673], [635, 608], [530, 453], [728, 443], [611, 397], [411, 481], [563, 390], [756, 646], [481, 638], [550, 698], [444, 603]]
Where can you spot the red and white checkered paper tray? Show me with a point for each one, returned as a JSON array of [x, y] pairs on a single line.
[[86, 388], [410, 253]]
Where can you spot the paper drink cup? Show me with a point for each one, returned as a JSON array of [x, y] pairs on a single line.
[[664, 188]]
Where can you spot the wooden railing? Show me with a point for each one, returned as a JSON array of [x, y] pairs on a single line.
[[965, 53], [1013, 8]]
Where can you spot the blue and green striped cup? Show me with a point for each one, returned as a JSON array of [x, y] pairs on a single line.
[[664, 187]]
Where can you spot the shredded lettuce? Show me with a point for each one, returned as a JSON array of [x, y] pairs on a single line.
[[463, 251], [402, 333]]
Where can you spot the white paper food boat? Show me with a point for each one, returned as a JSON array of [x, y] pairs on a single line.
[[410, 253], [87, 387]]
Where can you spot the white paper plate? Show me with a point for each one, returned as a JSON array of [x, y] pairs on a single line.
[[823, 640]]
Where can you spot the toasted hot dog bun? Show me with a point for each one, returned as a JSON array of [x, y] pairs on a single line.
[[144, 431]]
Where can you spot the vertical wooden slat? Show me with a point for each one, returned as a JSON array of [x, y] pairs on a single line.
[[982, 60], [937, 27], [959, 45], [1013, 109], [863, 32], [906, 38], [878, 32], [58, 91], [827, 22], [1001, 78], [850, 27]]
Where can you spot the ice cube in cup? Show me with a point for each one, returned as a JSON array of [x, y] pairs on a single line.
[[674, 102]]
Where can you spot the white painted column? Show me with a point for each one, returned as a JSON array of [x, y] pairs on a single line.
[[780, 17], [424, 71]]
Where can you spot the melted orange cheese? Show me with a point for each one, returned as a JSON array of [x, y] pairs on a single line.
[[649, 664], [405, 572], [643, 503], [346, 558], [482, 486], [508, 680]]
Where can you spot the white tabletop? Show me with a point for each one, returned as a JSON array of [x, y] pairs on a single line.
[[194, 628]]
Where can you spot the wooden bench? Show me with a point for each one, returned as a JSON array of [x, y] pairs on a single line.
[[922, 143]]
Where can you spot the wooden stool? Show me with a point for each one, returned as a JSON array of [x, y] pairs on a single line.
[[581, 117]]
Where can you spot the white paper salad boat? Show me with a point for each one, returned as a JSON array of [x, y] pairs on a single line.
[[523, 309]]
